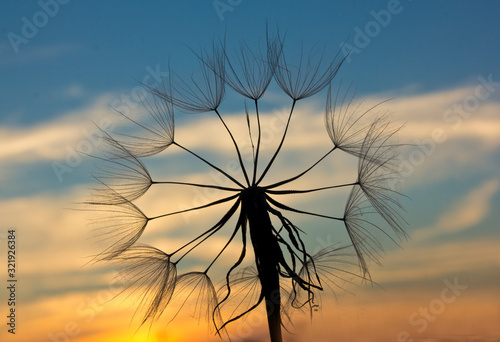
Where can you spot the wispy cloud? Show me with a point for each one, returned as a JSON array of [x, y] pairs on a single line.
[[470, 210], [48, 141], [457, 112], [422, 114], [423, 262], [465, 213], [64, 234], [24, 147]]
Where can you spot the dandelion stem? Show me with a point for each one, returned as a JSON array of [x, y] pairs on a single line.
[[267, 256]]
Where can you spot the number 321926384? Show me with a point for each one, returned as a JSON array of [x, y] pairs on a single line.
[[11, 253]]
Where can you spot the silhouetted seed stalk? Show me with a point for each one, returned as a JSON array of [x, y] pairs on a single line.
[[286, 276]]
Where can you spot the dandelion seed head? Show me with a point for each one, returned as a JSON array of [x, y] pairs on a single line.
[[285, 277]]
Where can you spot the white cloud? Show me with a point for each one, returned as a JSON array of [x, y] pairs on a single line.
[[423, 114], [50, 140], [465, 213], [449, 111], [470, 210]]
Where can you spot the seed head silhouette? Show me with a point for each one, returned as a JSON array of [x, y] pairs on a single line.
[[285, 276]]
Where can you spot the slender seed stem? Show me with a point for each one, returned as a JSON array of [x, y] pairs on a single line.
[[223, 200], [256, 159], [279, 147], [210, 231], [284, 207], [300, 174], [236, 146], [238, 225], [289, 192], [199, 185], [237, 263], [250, 133], [259, 301], [210, 164]]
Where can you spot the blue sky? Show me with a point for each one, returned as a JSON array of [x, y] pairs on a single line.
[[438, 62], [105, 46]]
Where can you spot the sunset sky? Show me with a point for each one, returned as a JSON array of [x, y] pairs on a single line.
[[434, 67]]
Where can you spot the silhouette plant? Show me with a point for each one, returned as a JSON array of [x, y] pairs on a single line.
[[285, 274]]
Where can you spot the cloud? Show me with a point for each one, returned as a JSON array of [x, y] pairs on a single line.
[[464, 214], [50, 227], [449, 111], [470, 210], [51, 140], [48, 230], [445, 131], [22, 147], [423, 115], [422, 262]]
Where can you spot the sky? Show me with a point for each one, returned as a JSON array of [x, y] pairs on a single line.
[[66, 66]]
